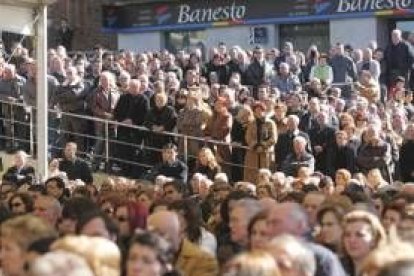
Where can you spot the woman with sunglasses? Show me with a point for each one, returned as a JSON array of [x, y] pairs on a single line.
[[20, 204]]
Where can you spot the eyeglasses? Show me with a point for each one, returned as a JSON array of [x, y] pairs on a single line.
[[108, 211], [122, 219]]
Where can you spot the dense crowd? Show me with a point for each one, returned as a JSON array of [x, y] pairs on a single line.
[[232, 162]]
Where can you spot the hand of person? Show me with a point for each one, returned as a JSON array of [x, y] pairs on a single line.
[[318, 149]]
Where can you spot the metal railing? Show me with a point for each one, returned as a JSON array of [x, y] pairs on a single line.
[[20, 121]]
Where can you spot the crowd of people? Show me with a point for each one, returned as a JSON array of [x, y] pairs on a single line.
[[236, 162]]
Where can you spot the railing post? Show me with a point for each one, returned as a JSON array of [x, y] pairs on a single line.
[[107, 145], [12, 131], [31, 137], [185, 142]]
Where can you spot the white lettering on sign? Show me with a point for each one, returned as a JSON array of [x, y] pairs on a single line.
[[345, 6], [203, 15]]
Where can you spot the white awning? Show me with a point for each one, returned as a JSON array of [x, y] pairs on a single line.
[[16, 19]]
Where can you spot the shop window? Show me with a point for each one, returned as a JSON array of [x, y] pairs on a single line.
[[176, 41], [304, 35]]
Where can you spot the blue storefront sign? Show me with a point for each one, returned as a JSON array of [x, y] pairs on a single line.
[[200, 14]]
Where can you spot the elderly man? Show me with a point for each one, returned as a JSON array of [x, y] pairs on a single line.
[[299, 158], [21, 172], [291, 219], [74, 167], [48, 208], [190, 258]]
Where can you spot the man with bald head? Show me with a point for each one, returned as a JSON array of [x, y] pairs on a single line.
[[291, 218], [191, 260]]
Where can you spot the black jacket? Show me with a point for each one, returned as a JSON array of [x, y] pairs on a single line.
[[407, 161], [19, 177], [77, 169]]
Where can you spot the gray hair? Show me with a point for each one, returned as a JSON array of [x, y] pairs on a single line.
[[301, 256], [251, 207]]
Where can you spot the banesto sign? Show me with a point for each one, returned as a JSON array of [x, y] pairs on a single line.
[[346, 6], [188, 14]]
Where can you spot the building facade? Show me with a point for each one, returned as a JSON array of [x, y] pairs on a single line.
[[193, 23]]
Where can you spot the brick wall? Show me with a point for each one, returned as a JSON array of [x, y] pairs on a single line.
[[84, 17]]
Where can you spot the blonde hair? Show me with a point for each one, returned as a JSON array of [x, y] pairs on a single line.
[[26, 229], [255, 263], [377, 229], [102, 255], [211, 159], [393, 251]]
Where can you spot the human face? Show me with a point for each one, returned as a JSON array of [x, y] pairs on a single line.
[[145, 200], [122, 221], [70, 151], [169, 155], [341, 139], [259, 236], [52, 189], [142, 261], [391, 217], [96, 228], [17, 206], [358, 239], [238, 225], [12, 257], [171, 194], [262, 192], [279, 222], [311, 204], [331, 230], [43, 209]]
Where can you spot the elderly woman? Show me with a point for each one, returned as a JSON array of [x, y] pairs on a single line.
[[261, 136]]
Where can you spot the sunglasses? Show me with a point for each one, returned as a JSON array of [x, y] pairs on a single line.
[[15, 205], [122, 219]]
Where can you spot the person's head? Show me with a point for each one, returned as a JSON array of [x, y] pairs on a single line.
[[292, 122], [240, 215], [206, 157], [55, 187], [167, 225], [129, 217], [95, 223], [161, 100], [329, 218], [173, 190], [392, 215], [259, 110], [20, 204], [16, 235], [299, 145], [396, 36], [60, 263], [257, 263], [70, 150], [292, 255], [102, 255], [284, 69], [257, 230], [148, 255], [20, 158], [48, 208], [169, 153], [311, 204], [287, 218], [72, 210], [342, 177], [189, 213], [341, 138], [362, 232]]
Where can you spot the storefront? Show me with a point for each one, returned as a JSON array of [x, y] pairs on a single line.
[[186, 24]]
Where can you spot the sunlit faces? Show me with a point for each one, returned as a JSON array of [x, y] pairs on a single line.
[[259, 235], [331, 230], [142, 261], [358, 239]]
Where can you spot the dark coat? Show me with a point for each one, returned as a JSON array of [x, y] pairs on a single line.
[[165, 117], [407, 161], [341, 158], [325, 138], [19, 177], [77, 169], [375, 156], [177, 170], [284, 145]]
